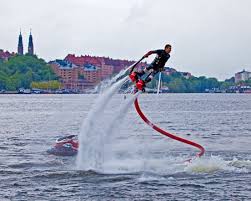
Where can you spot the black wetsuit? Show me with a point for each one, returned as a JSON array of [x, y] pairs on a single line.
[[157, 65], [159, 61]]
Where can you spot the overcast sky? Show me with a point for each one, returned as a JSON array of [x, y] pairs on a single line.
[[209, 37]]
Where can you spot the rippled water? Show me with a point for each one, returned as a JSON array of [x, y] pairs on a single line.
[[139, 164]]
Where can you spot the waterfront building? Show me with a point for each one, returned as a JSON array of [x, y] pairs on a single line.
[[242, 76], [91, 73], [85, 71], [107, 65], [75, 78]]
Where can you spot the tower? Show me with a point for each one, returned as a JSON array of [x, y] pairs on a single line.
[[20, 48], [30, 45]]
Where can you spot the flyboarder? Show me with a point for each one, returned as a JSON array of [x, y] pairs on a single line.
[[155, 67]]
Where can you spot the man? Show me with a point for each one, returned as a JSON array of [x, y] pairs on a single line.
[[155, 67]]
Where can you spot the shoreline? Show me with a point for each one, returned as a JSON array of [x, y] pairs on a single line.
[[17, 93]]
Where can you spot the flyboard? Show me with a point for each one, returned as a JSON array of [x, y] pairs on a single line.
[[140, 85]]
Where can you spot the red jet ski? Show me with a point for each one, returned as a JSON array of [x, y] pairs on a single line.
[[65, 146]]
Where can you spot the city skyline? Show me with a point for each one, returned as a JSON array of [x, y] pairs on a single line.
[[30, 51], [203, 44]]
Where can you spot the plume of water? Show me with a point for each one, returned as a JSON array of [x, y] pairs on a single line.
[[90, 138], [112, 127], [117, 119]]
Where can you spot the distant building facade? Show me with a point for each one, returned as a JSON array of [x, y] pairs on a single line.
[[107, 65], [82, 72], [242, 76], [73, 77], [91, 73]]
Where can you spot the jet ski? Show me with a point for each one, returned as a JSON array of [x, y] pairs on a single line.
[[65, 146]]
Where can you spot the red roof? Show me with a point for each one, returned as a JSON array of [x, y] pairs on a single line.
[[117, 64], [82, 60], [5, 54], [98, 61]]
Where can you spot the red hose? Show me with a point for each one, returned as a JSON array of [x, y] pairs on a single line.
[[146, 120]]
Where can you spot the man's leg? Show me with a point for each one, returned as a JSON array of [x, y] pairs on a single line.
[[150, 76], [140, 73], [143, 72]]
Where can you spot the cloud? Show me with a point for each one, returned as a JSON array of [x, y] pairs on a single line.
[[208, 37]]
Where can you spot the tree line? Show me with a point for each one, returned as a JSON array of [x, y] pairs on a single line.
[[177, 83], [33, 72], [22, 71]]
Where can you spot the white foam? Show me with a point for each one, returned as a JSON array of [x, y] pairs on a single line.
[[156, 168], [135, 163], [216, 163]]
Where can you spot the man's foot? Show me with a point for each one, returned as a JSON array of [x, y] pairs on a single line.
[[141, 85], [134, 77]]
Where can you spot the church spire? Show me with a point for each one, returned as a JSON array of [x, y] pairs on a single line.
[[30, 45], [20, 49]]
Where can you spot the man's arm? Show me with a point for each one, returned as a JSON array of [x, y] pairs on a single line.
[[150, 52]]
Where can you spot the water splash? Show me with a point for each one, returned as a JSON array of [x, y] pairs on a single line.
[[89, 154], [216, 163], [158, 167], [241, 163], [114, 125], [118, 118]]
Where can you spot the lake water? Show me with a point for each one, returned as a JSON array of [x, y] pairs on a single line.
[[139, 164]]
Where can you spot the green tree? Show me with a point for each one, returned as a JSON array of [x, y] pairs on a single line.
[[177, 85], [21, 71], [47, 85]]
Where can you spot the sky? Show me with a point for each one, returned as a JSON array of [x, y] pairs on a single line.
[[209, 37]]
